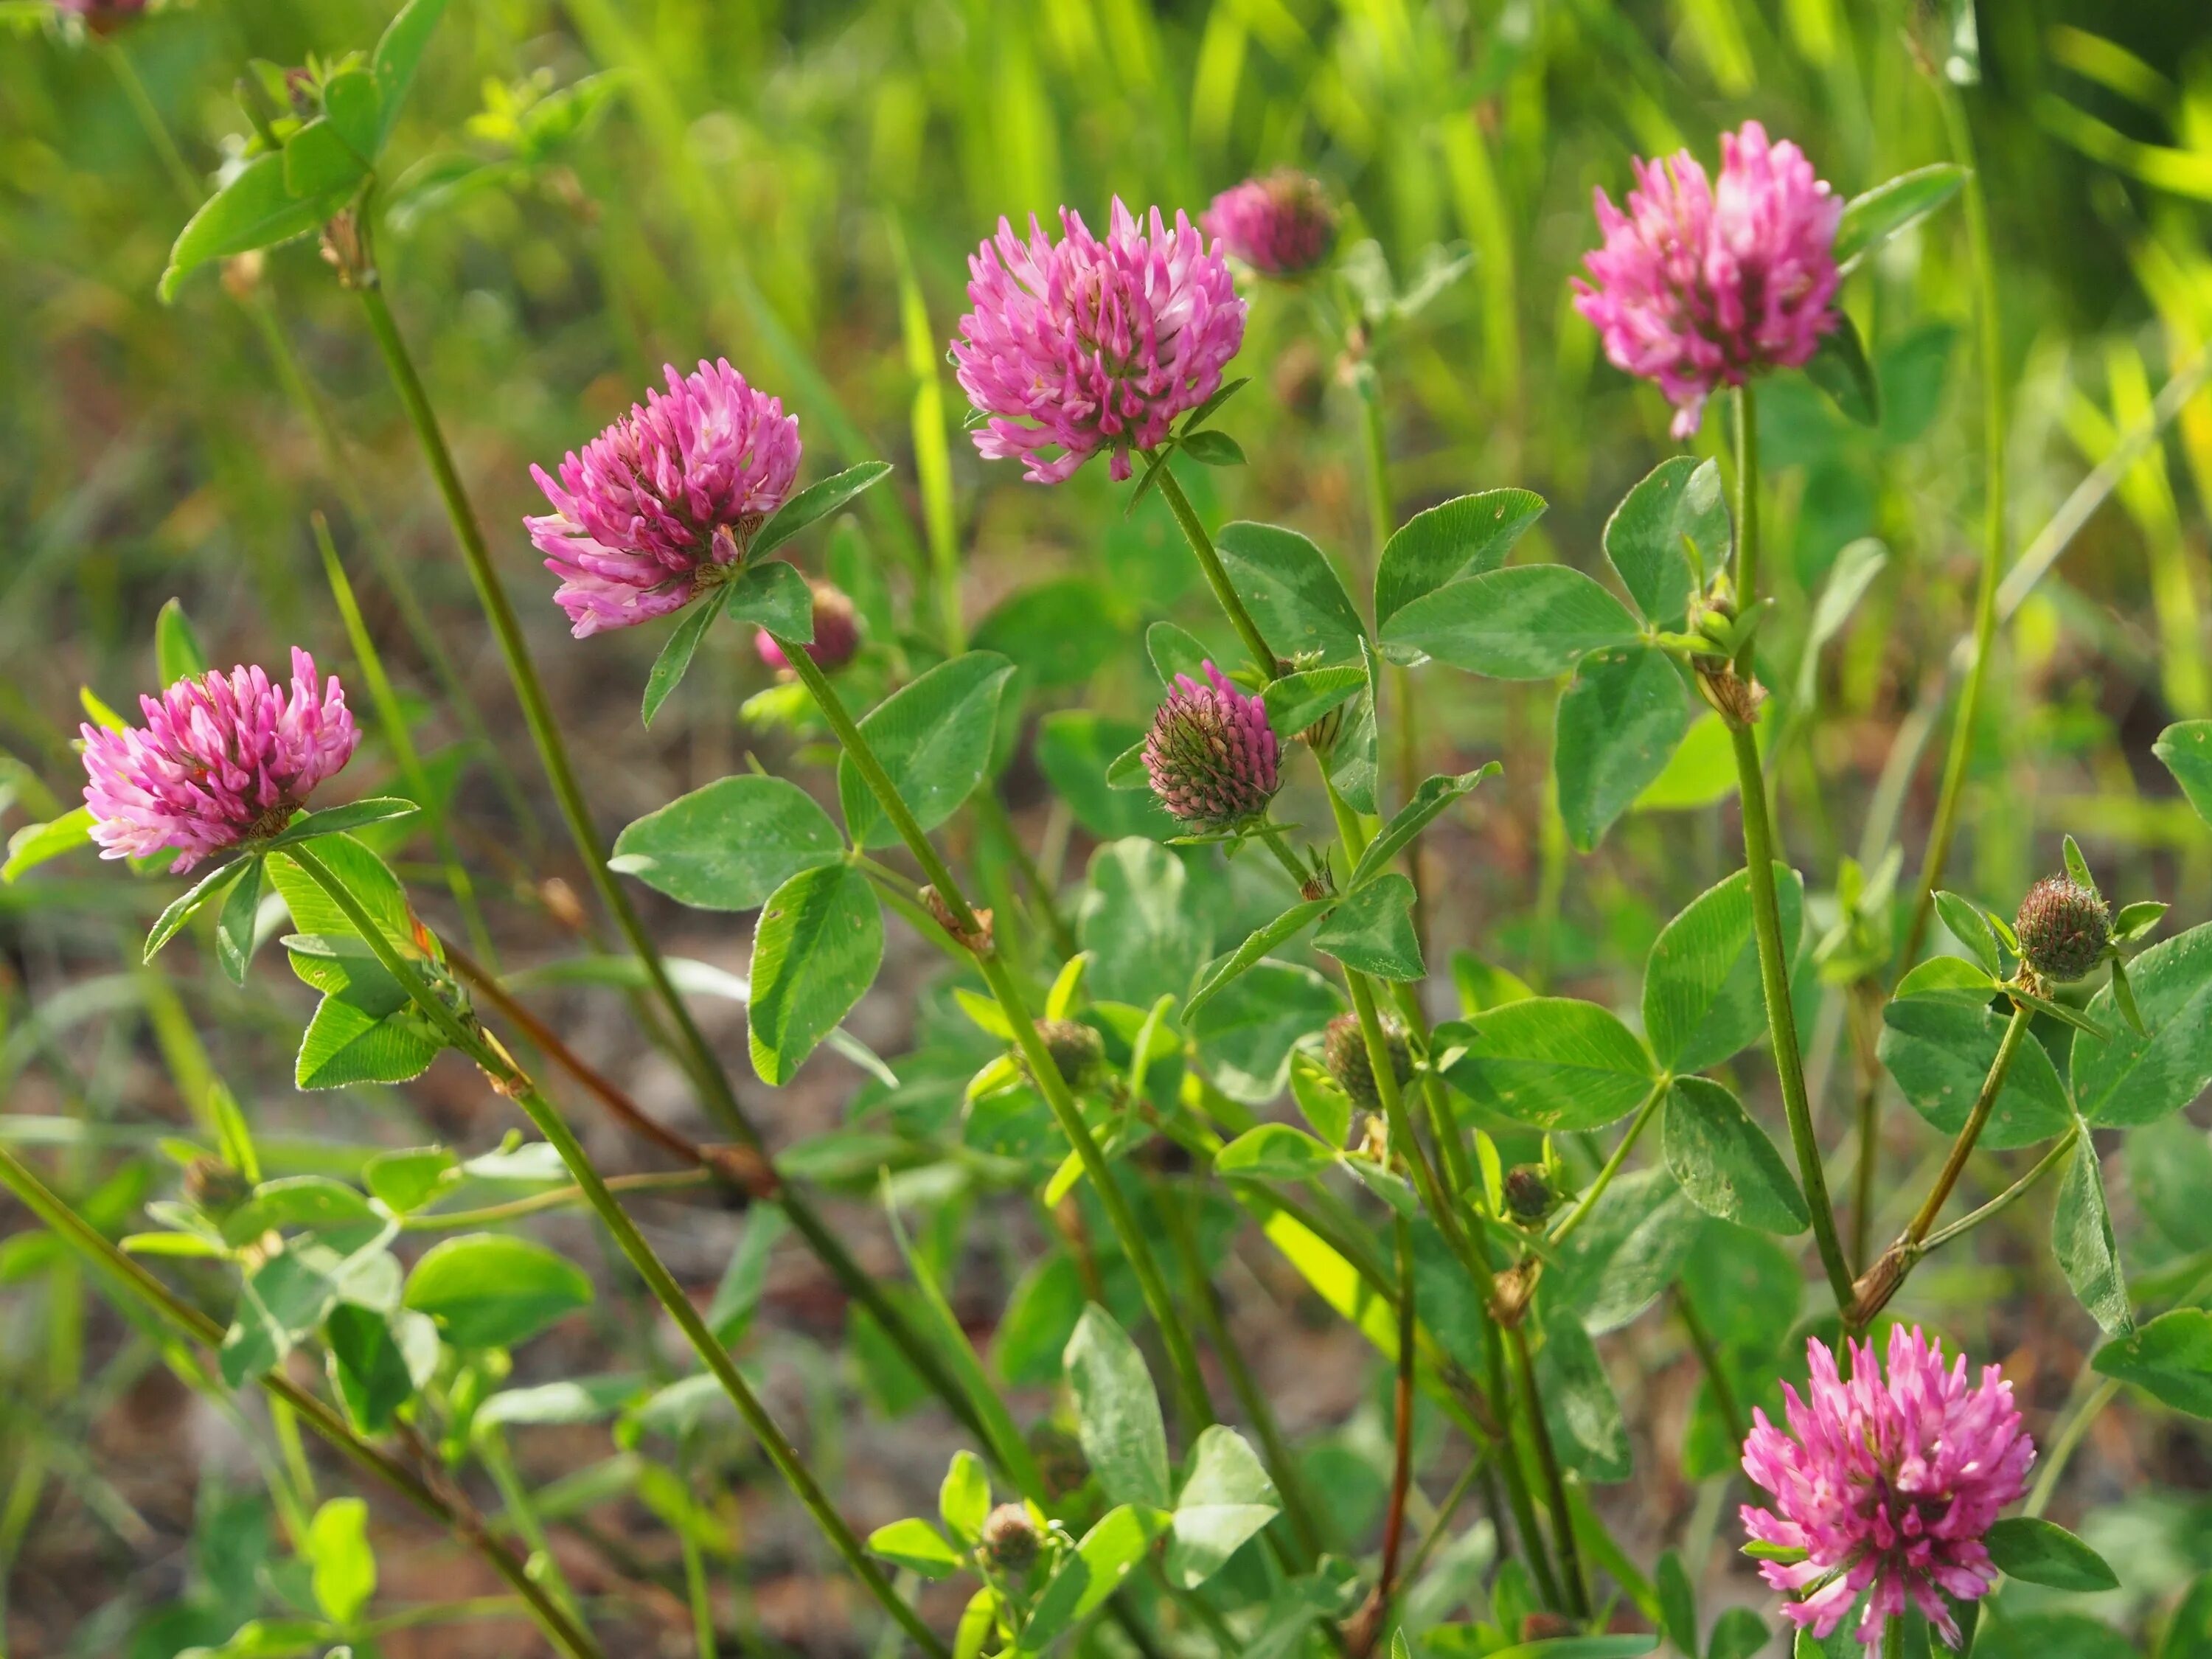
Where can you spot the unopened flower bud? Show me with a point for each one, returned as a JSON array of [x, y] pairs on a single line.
[[2064, 928], [1078, 1052], [213, 1188], [1528, 1194], [1211, 754], [1283, 225], [836, 632], [1060, 1459], [1010, 1537], [1344, 1052], [562, 903]]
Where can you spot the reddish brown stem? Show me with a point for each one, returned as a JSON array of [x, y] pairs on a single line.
[[741, 1168]]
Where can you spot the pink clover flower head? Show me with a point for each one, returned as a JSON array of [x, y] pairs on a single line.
[[1282, 225], [836, 632], [1887, 1484], [662, 505], [1211, 754], [1080, 345], [222, 758], [1701, 285]]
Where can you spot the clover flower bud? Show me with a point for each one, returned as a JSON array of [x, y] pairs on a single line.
[[1081, 345], [1010, 1537], [663, 504], [1344, 1053], [222, 759], [836, 632], [1078, 1052], [213, 1188], [1060, 1459], [1283, 225], [2064, 928], [1528, 1194], [1211, 754], [1703, 284]]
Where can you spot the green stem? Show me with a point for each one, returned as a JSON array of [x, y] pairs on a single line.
[[992, 811], [393, 719], [133, 1278], [1209, 561], [697, 1594], [1864, 1012], [1746, 514], [157, 133], [1985, 1102], [1517, 1497], [1406, 1143], [1555, 1479], [1882, 1280], [1402, 1459], [712, 1083], [1709, 1356], [1990, 348], [305, 402], [2011, 1195], [1282, 1461], [1575, 1218], [2064, 1442], [559, 1197], [511, 1082], [1183, 1357], [1780, 1017], [544, 1565]]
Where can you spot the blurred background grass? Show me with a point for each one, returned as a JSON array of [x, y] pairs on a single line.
[[797, 188]]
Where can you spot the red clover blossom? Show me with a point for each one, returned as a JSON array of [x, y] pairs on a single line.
[[1887, 1485], [1080, 345], [222, 758], [662, 505], [1701, 285]]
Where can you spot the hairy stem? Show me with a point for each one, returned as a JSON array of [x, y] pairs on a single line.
[[1780, 1017], [2011, 1195], [1209, 561], [1402, 1460], [1881, 1282], [135, 1281], [1183, 1357], [511, 1081], [1575, 1218], [393, 719], [706, 1071], [1863, 1010], [1555, 1479], [1282, 1461], [1709, 1356]]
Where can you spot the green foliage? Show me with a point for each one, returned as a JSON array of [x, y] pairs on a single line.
[[492, 1291], [1117, 1413], [1464, 537], [1293, 592], [933, 738], [1725, 1163], [1618, 725], [1555, 1063], [1524, 622], [2135, 1077], [729, 846], [1703, 1002], [816, 950], [797, 189]]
